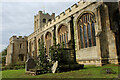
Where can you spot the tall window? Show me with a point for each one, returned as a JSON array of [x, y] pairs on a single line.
[[21, 46], [85, 35], [86, 31], [63, 35], [44, 20], [30, 46], [81, 37], [89, 35], [60, 39], [93, 34], [48, 38], [67, 37]]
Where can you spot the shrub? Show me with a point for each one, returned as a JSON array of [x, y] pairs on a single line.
[[56, 52], [14, 66], [43, 63]]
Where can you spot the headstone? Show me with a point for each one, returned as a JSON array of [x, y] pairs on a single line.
[[54, 67], [30, 64]]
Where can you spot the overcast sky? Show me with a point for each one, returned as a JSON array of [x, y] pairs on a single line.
[[18, 17]]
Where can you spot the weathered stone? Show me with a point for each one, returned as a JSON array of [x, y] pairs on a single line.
[[30, 64], [86, 28], [54, 67], [17, 50]]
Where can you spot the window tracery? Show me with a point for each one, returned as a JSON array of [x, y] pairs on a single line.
[[86, 31]]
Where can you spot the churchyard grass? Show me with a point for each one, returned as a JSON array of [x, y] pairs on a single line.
[[87, 72]]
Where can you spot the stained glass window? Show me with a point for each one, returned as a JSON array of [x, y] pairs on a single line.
[[85, 36], [86, 31], [93, 33], [89, 35], [81, 37]]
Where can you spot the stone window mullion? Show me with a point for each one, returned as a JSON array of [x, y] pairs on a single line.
[[60, 38], [87, 35], [91, 33], [83, 37], [79, 39], [86, 31], [65, 39]]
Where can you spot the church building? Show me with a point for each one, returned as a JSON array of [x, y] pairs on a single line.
[[89, 29]]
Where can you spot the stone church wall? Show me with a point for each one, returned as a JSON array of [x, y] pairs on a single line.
[[104, 51]]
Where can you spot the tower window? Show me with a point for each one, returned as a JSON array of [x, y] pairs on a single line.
[[20, 45], [44, 20], [49, 20]]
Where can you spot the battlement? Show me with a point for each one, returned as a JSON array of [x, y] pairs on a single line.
[[71, 10], [65, 14], [18, 38], [41, 13], [41, 19]]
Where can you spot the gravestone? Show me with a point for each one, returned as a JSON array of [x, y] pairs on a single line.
[[30, 64], [54, 67]]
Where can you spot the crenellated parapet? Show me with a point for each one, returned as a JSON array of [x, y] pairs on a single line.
[[62, 16], [68, 12], [41, 13], [65, 14], [41, 19], [18, 38]]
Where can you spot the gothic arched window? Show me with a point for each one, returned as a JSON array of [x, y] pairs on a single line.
[[63, 35], [89, 35], [86, 31], [81, 37], [48, 39], [93, 34], [85, 35]]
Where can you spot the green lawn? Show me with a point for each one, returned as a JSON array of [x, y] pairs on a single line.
[[87, 72]]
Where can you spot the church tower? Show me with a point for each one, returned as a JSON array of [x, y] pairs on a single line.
[[41, 19]]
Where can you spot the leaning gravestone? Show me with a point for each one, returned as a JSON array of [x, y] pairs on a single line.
[[30, 64], [54, 67]]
